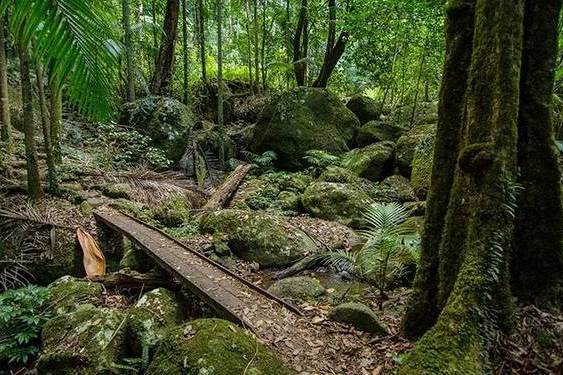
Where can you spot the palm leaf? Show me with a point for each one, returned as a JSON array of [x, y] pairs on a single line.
[[74, 39]]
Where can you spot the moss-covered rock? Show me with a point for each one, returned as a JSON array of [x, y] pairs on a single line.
[[268, 239], [288, 201], [393, 189], [67, 293], [213, 346], [167, 121], [339, 175], [422, 163], [407, 143], [335, 201], [119, 190], [173, 210], [134, 258], [156, 310], [88, 341], [276, 191], [304, 119], [378, 131], [374, 162], [358, 316], [365, 108], [299, 288]]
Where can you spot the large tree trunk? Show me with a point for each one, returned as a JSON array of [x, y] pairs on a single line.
[[476, 287], [422, 311], [165, 63], [33, 181], [130, 77], [6, 130], [537, 261]]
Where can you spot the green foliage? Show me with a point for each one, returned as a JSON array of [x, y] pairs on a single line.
[[23, 312], [124, 148], [265, 161], [390, 239], [75, 39], [318, 161]]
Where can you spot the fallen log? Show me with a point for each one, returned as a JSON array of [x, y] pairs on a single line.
[[224, 193]]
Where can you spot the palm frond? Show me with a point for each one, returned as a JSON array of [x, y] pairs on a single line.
[[341, 260], [74, 39]]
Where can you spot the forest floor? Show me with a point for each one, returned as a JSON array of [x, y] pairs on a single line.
[[312, 344]]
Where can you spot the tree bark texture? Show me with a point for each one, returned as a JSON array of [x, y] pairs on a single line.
[[165, 63]]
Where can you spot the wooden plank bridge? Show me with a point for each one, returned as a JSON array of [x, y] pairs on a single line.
[[231, 296]]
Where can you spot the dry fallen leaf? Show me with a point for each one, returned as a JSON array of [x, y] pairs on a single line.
[[93, 257]]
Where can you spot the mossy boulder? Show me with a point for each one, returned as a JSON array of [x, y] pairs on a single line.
[[88, 341], [67, 293], [365, 108], [274, 191], [335, 201], [304, 119], [173, 210], [393, 189], [358, 316], [374, 162], [339, 175], [116, 191], [213, 346], [378, 131], [146, 321], [268, 239], [422, 163], [134, 259], [288, 201], [298, 288], [165, 120], [407, 144]]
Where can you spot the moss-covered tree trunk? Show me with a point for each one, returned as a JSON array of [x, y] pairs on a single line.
[[422, 311], [537, 261], [483, 191], [33, 181]]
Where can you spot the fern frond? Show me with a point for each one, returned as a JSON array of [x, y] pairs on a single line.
[[75, 40]]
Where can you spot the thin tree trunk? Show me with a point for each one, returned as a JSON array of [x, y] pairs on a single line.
[[263, 49], [256, 46], [46, 126], [56, 112], [201, 29], [334, 48], [130, 76], [418, 79], [220, 93], [300, 42], [33, 181], [154, 33], [390, 81], [6, 131], [249, 45], [165, 64], [186, 87], [422, 310], [537, 261]]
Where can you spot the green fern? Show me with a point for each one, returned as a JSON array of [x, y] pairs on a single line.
[[75, 40]]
